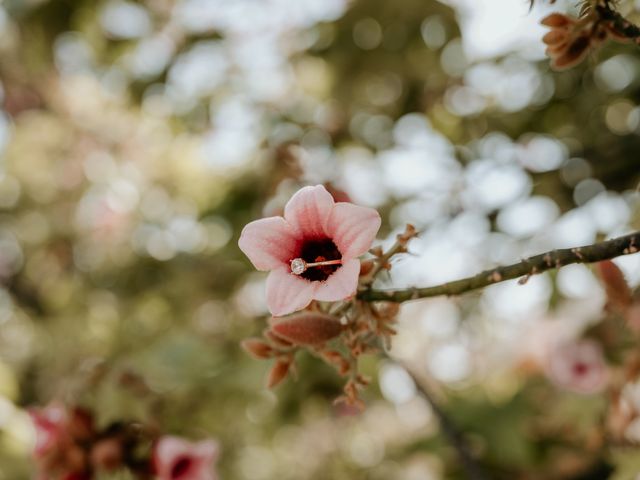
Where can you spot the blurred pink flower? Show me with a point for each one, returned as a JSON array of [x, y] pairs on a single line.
[[314, 229], [60, 431], [579, 367], [51, 429], [179, 459]]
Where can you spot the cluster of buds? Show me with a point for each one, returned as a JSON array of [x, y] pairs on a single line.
[[339, 332], [70, 447], [571, 39]]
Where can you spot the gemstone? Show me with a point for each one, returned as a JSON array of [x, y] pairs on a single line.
[[298, 266]]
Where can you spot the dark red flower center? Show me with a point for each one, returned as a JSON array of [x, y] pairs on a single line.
[[319, 250], [182, 466], [580, 368]]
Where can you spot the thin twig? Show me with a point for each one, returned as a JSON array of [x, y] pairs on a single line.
[[621, 24], [382, 260], [449, 430], [597, 252]]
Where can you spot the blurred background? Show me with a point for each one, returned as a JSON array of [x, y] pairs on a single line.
[[138, 138]]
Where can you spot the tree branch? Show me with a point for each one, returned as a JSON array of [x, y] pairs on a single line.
[[597, 252], [621, 24], [449, 430]]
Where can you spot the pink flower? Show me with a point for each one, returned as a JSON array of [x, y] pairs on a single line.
[[51, 429], [579, 367], [178, 459], [314, 229]]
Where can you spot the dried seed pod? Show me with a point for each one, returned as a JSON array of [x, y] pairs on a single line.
[[257, 348], [307, 328]]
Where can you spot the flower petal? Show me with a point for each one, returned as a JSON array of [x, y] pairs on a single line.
[[171, 449], [353, 228], [340, 284], [268, 242], [308, 210], [287, 293], [167, 451], [208, 450]]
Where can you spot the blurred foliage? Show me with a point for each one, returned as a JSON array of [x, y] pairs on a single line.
[[139, 137]]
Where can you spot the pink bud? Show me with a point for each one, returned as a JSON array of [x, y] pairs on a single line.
[[307, 328]]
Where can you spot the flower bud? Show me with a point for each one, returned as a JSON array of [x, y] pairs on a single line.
[[307, 328], [366, 266], [257, 348], [555, 37], [557, 20], [275, 339], [278, 373]]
